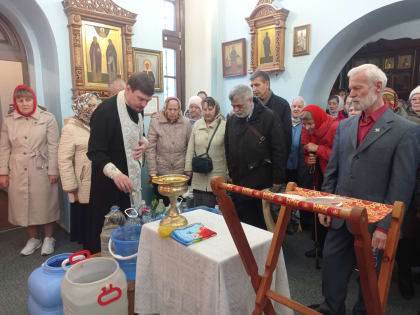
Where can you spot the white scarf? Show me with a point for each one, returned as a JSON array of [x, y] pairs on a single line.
[[132, 133]]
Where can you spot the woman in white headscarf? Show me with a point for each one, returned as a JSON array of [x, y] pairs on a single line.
[[75, 167]]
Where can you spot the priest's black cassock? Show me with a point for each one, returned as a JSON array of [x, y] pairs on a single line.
[[106, 145]]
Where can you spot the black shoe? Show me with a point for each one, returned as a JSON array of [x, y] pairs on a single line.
[[311, 253], [292, 228], [406, 287], [319, 309]]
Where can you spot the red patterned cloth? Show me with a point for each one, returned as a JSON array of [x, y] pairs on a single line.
[[375, 211]]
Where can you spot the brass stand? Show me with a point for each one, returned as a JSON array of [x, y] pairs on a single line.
[[172, 186]]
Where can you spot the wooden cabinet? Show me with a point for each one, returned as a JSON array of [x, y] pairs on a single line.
[[398, 58]]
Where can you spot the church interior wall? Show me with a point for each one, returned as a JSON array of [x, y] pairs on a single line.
[[341, 28], [338, 30]]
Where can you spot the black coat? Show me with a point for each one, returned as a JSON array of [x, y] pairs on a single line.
[[282, 108], [251, 163], [106, 145]]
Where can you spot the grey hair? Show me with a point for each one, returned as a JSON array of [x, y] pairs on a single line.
[[117, 82], [298, 98], [373, 74], [240, 91]]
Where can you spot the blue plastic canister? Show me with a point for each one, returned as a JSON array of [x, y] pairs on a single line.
[[126, 244], [44, 285]]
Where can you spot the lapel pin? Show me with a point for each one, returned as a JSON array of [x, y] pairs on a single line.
[[377, 129]]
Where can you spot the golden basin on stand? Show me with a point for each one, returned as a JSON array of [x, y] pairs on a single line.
[[172, 186]]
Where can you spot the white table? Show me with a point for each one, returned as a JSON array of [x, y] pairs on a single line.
[[205, 278]]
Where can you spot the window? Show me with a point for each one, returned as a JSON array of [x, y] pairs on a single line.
[[173, 49]]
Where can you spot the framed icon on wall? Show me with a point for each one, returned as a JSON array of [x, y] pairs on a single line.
[[234, 58], [404, 62]]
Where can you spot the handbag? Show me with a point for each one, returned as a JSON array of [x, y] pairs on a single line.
[[202, 163]]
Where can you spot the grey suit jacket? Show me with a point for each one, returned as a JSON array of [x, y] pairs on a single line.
[[382, 169]]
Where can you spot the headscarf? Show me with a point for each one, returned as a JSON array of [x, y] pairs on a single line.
[[318, 114], [81, 107], [413, 92], [24, 87], [390, 98], [172, 98], [197, 101]]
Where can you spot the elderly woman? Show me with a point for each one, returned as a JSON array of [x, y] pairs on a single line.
[[75, 167], [169, 133], [317, 139], [334, 105], [29, 167], [210, 128], [193, 113]]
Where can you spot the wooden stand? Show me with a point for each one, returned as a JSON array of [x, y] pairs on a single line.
[[375, 291]]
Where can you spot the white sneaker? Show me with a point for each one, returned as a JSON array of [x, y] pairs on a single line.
[[48, 246], [31, 245]]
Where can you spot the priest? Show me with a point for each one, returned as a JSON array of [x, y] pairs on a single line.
[[116, 146]]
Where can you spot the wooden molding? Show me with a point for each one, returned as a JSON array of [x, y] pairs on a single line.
[[98, 11], [264, 15]]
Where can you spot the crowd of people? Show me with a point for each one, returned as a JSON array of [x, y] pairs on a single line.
[[365, 145]]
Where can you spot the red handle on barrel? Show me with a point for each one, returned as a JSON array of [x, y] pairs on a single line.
[[106, 292], [83, 252]]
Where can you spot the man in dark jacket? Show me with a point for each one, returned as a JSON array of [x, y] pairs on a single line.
[[260, 84], [254, 151]]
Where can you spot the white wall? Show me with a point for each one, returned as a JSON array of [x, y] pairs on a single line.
[[198, 46], [338, 30]]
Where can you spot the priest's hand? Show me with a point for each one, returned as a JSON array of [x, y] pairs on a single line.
[[379, 240], [139, 150], [123, 183], [4, 180], [324, 219]]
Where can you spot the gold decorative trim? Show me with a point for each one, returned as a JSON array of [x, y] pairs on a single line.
[[266, 15], [98, 11]]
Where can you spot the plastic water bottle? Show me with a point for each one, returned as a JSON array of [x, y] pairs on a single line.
[[113, 220], [132, 217], [160, 209]]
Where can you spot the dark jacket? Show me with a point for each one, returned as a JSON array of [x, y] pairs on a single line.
[[106, 145], [381, 169], [251, 163], [282, 108]]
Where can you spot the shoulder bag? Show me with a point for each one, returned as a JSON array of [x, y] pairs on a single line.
[[202, 163]]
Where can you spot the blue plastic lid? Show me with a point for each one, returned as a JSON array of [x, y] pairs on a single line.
[[115, 208]]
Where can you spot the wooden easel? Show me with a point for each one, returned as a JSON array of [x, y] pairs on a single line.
[[374, 290]]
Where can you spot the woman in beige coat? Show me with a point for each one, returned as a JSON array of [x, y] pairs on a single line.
[[201, 134], [169, 133], [75, 167], [29, 168]]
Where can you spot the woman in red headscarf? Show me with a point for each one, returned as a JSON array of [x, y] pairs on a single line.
[[317, 139], [29, 168]]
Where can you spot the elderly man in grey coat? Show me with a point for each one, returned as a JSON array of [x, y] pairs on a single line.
[[374, 157]]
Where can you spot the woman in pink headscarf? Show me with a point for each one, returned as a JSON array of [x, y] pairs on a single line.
[[29, 168]]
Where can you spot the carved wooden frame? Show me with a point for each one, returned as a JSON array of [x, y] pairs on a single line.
[[100, 11], [266, 14]]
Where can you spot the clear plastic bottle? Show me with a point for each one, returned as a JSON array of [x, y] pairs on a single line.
[[113, 220], [160, 209], [132, 217]]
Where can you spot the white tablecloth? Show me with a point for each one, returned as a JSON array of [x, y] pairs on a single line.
[[205, 278]]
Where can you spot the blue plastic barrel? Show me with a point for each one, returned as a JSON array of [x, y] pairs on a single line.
[[44, 286], [126, 243]]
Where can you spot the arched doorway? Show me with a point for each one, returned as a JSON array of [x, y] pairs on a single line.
[[326, 66], [35, 32], [14, 65]]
